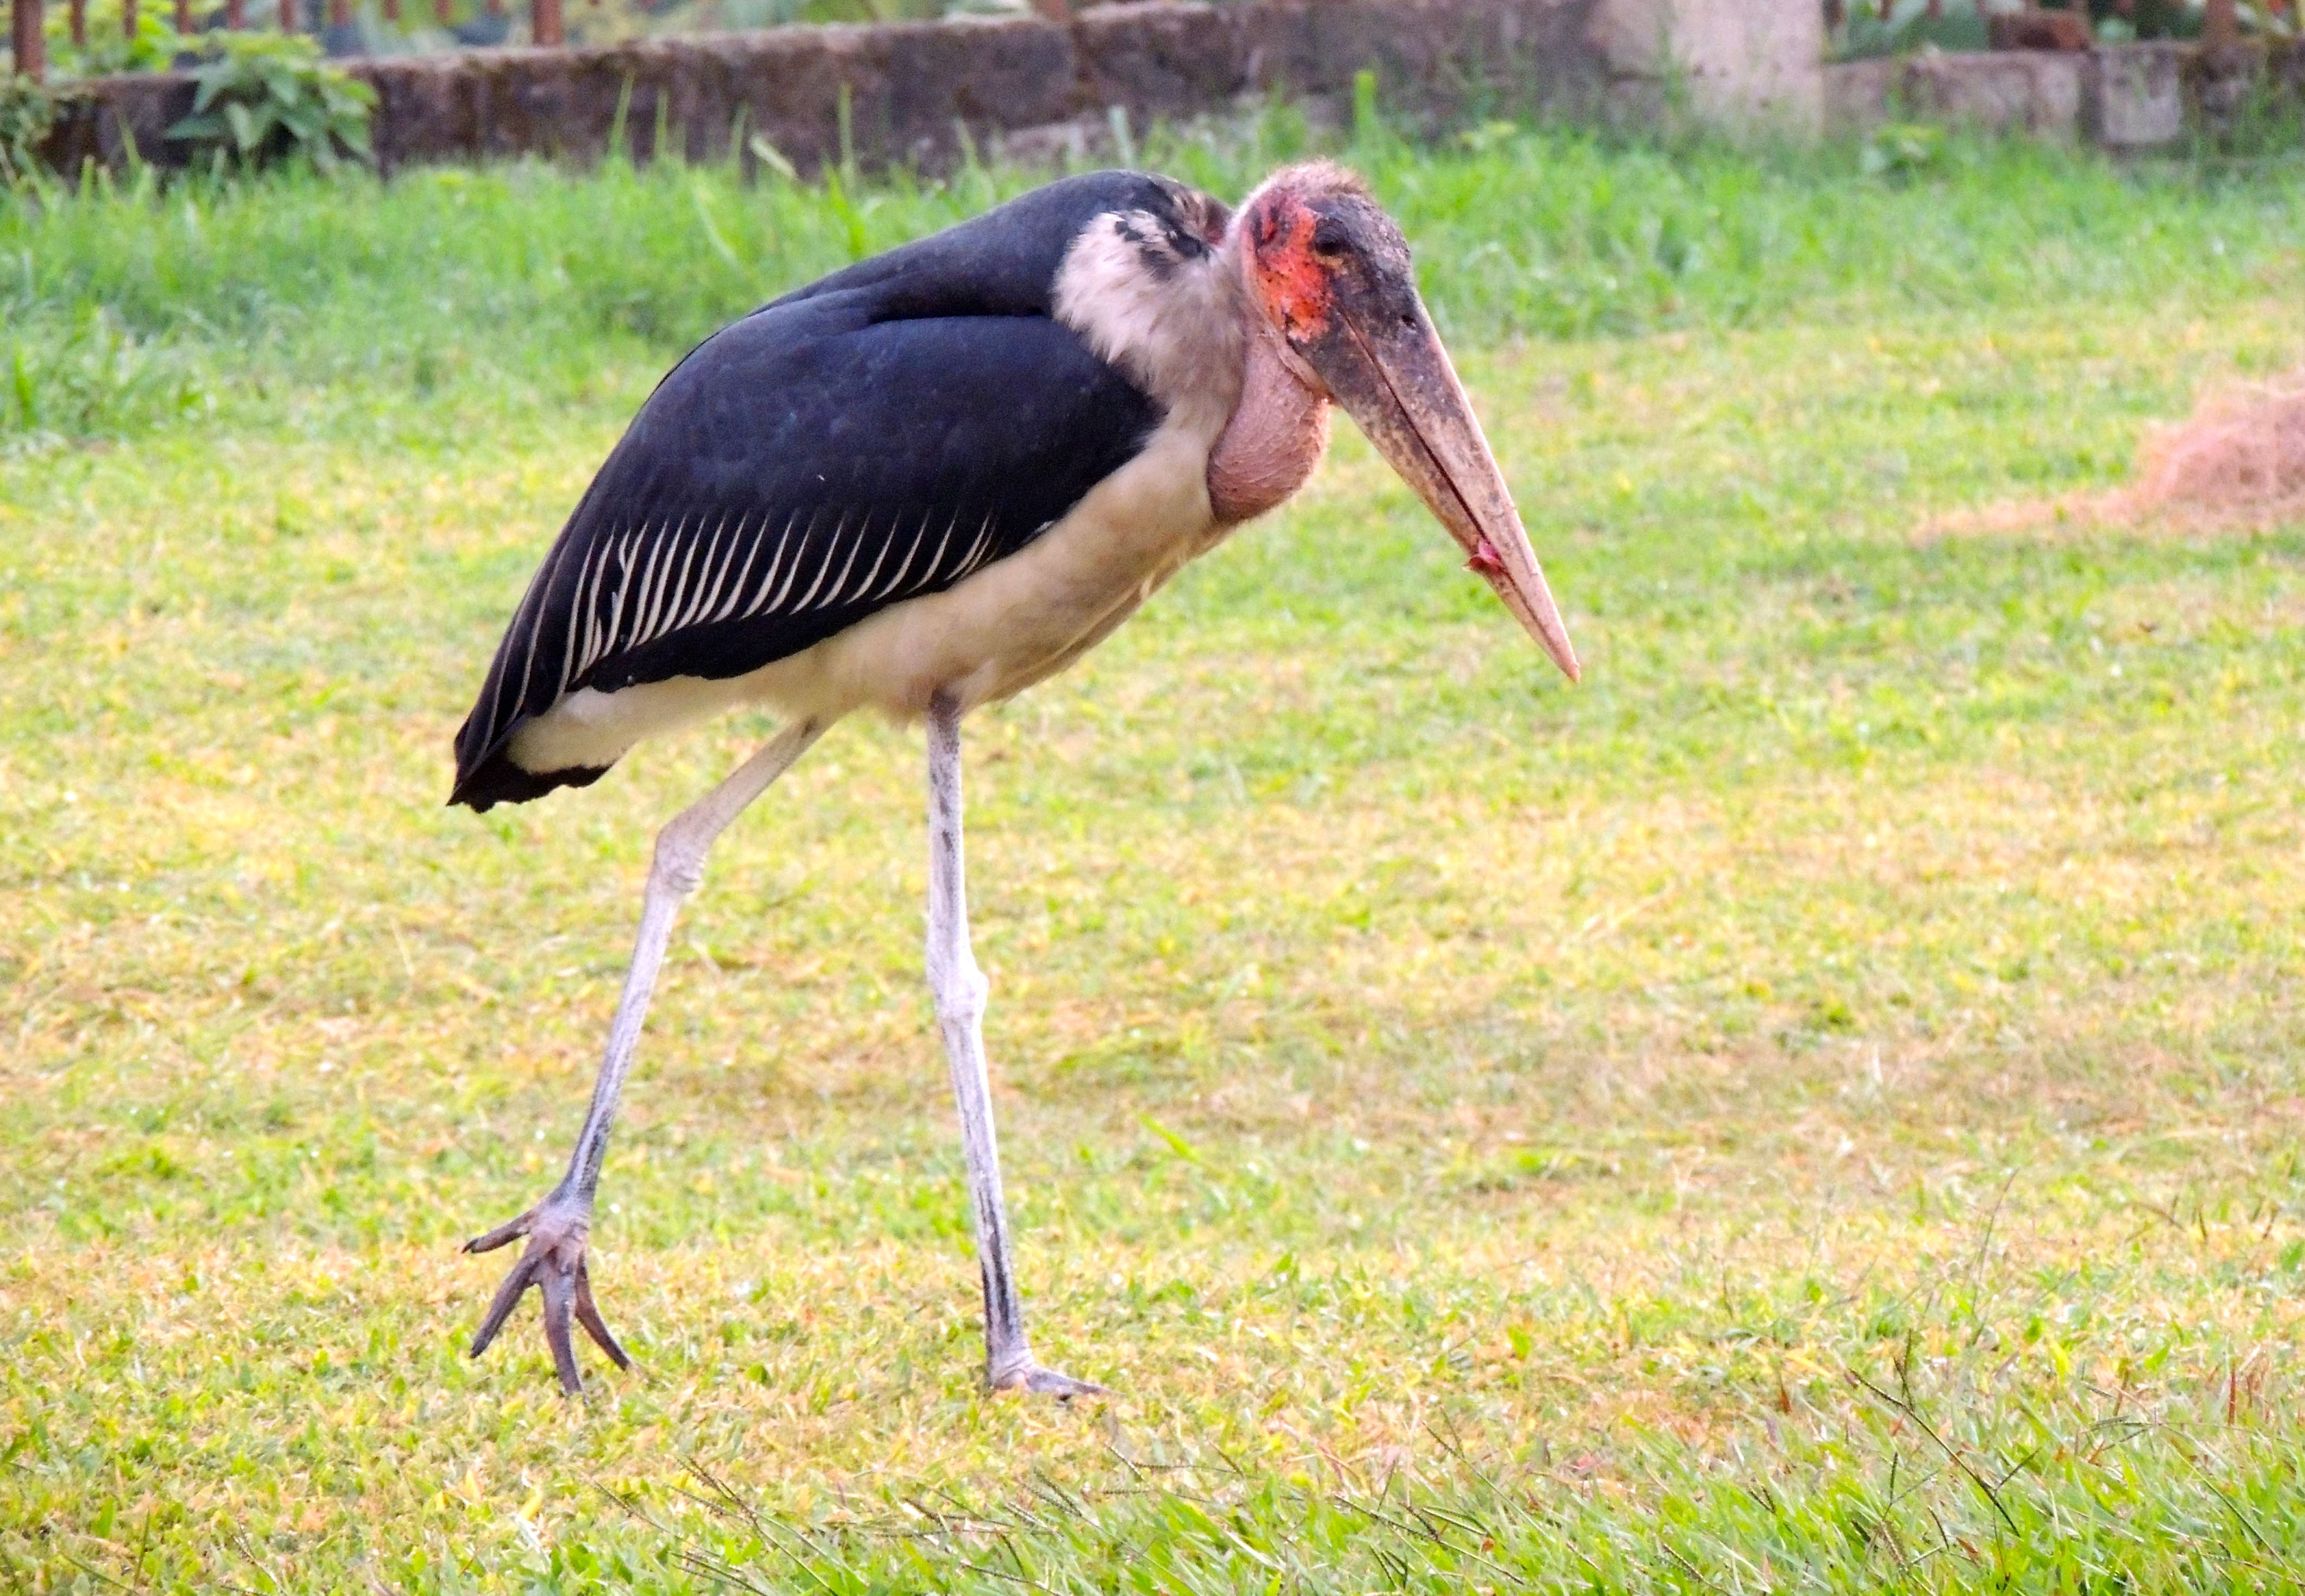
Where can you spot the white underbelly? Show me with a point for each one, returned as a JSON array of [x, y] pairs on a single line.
[[1007, 626]]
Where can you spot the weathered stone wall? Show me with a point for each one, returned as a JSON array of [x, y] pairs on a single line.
[[2124, 97], [915, 90], [1741, 63], [911, 88]]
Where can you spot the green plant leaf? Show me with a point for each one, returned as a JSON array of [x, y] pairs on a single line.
[[261, 85], [242, 123], [773, 158]]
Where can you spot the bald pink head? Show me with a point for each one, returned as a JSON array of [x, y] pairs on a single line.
[[1330, 275]]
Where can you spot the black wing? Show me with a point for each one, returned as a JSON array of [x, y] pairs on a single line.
[[875, 437]]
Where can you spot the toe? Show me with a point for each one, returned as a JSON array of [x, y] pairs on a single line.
[[522, 1276], [559, 1294], [587, 1314], [510, 1230], [1064, 1388], [1049, 1382]]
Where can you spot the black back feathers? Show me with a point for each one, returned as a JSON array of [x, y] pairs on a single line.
[[872, 437]]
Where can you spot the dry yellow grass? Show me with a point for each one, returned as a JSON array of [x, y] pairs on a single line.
[[2237, 463]]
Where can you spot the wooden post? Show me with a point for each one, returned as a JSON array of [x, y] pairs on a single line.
[[183, 16], [78, 15], [26, 32], [128, 19], [235, 14], [289, 23], [544, 26], [2220, 25]]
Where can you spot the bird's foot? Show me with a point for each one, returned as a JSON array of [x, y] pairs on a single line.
[[1022, 1374], [558, 1229]]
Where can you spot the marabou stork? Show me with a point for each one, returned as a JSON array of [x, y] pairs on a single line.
[[923, 484]]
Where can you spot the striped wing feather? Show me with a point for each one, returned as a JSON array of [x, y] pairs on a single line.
[[804, 468]]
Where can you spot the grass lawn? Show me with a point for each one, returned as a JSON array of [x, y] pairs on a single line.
[[1818, 1107]]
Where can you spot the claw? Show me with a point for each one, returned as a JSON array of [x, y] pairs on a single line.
[[554, 1263]]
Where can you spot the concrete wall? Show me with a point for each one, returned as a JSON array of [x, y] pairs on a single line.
[[2128, 98], [912, 88], [1738, 61]]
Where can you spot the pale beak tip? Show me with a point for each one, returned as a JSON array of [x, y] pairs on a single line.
[[1543, 622]]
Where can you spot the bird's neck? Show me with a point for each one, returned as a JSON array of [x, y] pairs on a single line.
[[1276, 435]]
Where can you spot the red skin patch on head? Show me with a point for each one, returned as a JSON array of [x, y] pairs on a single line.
[[1293, 283]]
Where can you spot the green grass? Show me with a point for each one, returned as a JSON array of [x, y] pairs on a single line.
[[126, 309], [1816, 1108]]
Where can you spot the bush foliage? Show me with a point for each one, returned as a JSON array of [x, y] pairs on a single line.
[[26, 114], [264, 97]]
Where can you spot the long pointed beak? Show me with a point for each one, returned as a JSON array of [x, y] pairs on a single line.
[[1394, 379]]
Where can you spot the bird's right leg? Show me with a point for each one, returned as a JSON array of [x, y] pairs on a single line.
[[557, 1227], [958, 987]]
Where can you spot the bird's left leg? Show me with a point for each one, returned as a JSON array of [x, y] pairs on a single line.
[[558, 1227], [959, 988]]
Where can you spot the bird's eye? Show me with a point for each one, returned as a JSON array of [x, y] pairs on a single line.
[[1330, 242]]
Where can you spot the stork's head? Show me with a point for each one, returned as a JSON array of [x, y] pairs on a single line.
[[1328, 273]]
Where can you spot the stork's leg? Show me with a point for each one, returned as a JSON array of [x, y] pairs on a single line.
[[557, 1227], [959, 988]]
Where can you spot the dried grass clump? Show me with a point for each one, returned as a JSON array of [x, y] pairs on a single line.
[[2237, 461], [2243, 450]]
